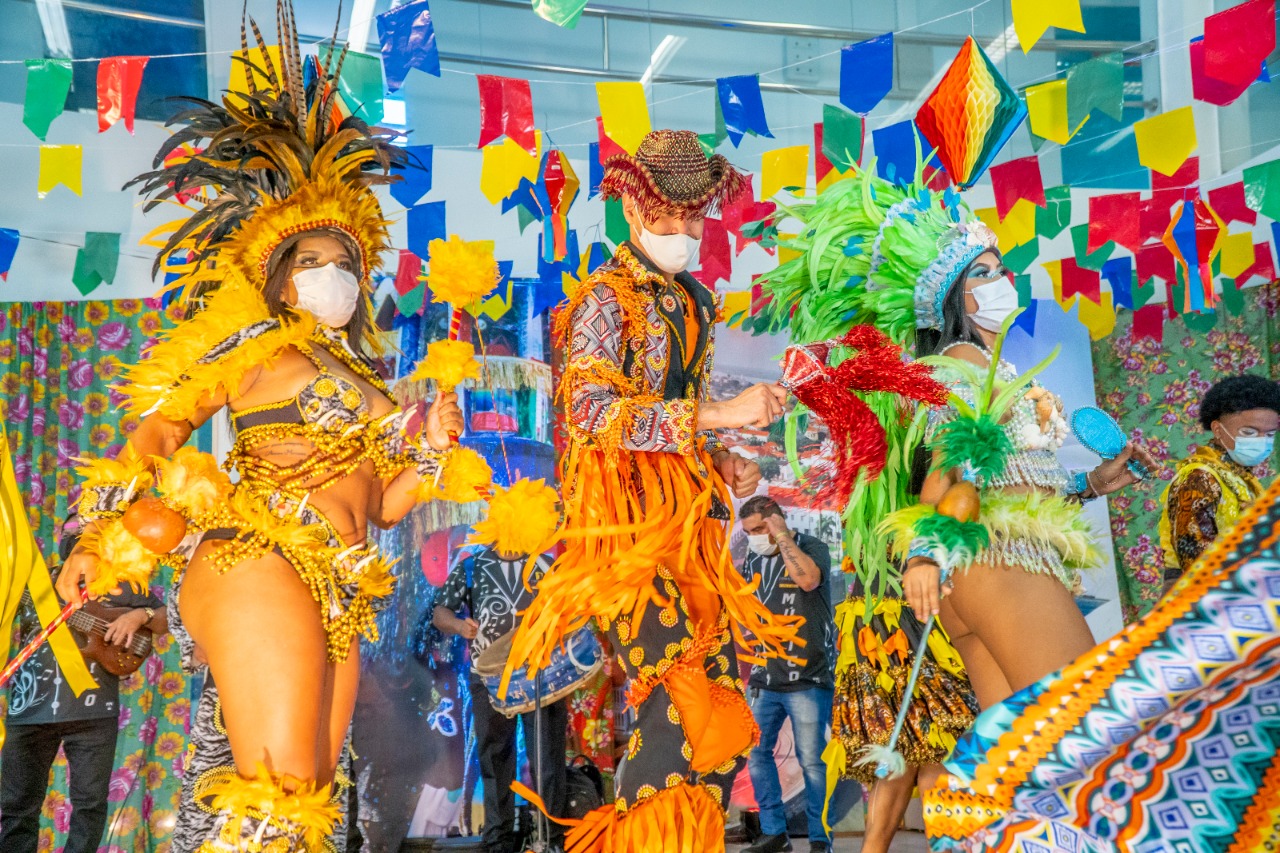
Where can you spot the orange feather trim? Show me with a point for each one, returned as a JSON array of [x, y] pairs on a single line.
[[624, 518]]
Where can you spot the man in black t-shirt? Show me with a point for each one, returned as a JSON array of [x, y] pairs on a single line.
[[44, 714], [490, 586], [794, 571]]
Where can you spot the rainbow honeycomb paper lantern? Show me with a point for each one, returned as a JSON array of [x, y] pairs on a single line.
[[970, 116]]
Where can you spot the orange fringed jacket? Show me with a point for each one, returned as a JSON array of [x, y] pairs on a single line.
[[640, 489]]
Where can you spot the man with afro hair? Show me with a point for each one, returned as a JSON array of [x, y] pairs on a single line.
[[1217, 482]]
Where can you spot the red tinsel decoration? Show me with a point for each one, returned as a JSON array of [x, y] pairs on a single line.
[[828, 392]]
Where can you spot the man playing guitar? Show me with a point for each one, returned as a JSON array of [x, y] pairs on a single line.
[[44, 714]]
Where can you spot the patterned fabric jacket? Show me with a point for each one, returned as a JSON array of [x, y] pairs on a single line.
[[1208, 494], [636, 370]]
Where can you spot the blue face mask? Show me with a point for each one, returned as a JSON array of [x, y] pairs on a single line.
[[1252, 450]]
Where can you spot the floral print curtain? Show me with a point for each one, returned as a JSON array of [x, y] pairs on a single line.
[[1154, 390], [57, 363]]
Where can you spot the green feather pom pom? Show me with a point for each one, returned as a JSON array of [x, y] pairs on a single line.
[[980, 443]]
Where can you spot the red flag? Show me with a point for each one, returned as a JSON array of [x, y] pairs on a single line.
[[1155, 261], [821, 165], [1153, 217], [506, 108], [1016, 180], [1148, 322], [1188, 175], [714, 255], [1238, 40], [608, 148], [1115, 217], [407, 272], [118, 80], [1229, 203], [1078, 280]]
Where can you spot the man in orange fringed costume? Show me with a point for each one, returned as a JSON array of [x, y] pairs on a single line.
[[646, 494]]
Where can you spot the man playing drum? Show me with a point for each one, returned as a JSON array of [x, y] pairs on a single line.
[[490, 585]]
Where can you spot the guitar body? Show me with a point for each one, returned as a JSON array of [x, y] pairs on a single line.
[[88, 625]]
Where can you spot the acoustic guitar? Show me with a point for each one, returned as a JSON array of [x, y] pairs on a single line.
[[88, 627]]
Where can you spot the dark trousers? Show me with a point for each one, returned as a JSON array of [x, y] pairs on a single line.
[[29, 751], [496, 746]]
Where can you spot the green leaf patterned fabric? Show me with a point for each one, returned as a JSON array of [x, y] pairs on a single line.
[[57, 363], [1154, 391]]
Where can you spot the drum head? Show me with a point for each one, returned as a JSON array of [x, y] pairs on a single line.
[[494, 658]]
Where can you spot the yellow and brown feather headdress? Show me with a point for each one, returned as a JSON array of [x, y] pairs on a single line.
[[280, 158]]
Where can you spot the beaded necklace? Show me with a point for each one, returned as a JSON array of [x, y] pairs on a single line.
[[334, 342]]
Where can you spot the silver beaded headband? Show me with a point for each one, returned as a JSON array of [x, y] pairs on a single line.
[[958, 248]]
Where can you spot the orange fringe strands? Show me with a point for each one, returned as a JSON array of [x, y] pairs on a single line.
[[680, 819], [630, 515]]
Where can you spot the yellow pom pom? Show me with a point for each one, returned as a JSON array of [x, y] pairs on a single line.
[[522, 519], [192, 483], [449, 363], [461, 272], [466, 477], [121, 558]]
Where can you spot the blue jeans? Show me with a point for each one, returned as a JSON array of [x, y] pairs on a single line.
[[810, 713]]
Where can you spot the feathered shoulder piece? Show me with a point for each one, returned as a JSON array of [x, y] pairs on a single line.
[[215, 348], [280, 158]]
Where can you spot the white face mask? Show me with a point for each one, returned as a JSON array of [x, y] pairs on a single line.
[[329, 292], [761, 545], [670, 253], [996, 301]]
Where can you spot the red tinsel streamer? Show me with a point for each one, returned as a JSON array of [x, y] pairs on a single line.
[[828, 392]]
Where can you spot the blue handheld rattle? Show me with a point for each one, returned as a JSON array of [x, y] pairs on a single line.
[[1099, 432]]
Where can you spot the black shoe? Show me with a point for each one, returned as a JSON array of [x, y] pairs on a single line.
[[736, 833], [779, 843], [819, 847]]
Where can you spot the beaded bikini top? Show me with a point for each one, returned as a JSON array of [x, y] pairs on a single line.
[[1036, 428], [333, 415]]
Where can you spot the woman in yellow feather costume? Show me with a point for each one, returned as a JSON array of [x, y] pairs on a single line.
[[276, 265]]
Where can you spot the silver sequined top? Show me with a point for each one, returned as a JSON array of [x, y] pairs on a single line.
[[1036, 436]]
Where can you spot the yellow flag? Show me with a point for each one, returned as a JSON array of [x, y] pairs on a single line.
[[1031, 18], [1016, 229], [497, 305], [1047, 112], [22, 566], [1167, 140], [625, 113], [784, 167], [502, 166], [239, 80], [1237, 253], [1054, 269], [737, 302], [60, 164], [1099, 319]]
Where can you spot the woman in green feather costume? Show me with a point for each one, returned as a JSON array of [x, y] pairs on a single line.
[[995, 509]]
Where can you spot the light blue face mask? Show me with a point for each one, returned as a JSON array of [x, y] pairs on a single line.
[[1252, 450]]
